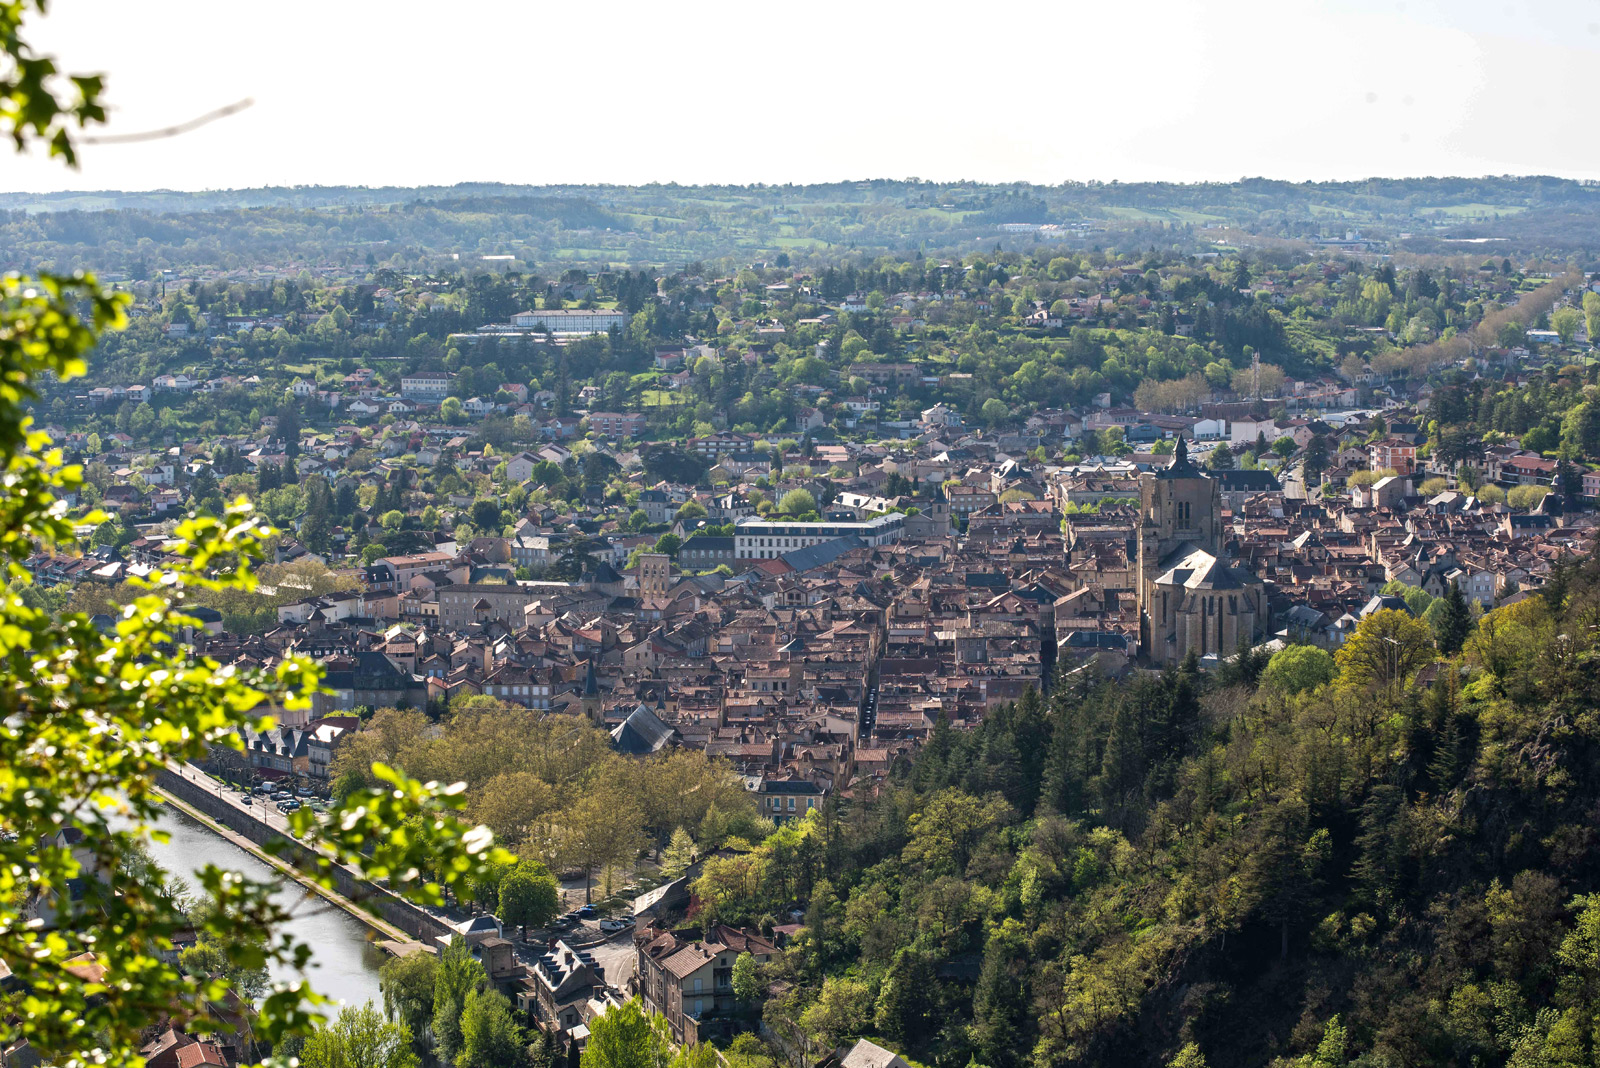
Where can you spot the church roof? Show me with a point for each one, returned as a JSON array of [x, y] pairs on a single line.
[[1181, 466], [1194, 568], [641, 734]]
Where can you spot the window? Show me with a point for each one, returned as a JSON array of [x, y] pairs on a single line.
[[697, 981]]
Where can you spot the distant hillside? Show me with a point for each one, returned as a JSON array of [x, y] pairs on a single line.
[[669, 224]]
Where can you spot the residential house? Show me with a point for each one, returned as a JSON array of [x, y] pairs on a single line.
[[689, 980]]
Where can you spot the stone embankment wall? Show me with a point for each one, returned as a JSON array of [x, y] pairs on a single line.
[[416, 922]]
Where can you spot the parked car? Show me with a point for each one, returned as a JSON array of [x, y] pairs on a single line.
[[304, 791], [247, 799], [587, 912], [613, 926]]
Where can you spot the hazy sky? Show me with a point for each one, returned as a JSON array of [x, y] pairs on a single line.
[[356, 92]]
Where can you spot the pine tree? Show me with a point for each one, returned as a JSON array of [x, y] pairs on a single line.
[[1122, 768], [1442, 708], [679, 854], [1000, 1017], [1030, 735], [1454, 623], [1445, 762], [930, 769], [998, 770], [908, 1005], [1283, 868], [1381, 865]]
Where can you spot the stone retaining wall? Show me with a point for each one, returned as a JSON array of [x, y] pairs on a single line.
[[416, 922]]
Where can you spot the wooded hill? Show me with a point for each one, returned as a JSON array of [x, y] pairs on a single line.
[[1384, 858]]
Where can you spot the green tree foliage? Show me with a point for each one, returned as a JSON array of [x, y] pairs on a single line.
[[797, 502], [359, 1038], [625, 1038], [457, 975], [1526, 496], [1385, 649], [908, 1002], [92, 718], [408, 985], [1299, 668], [947, 831], [746, 978], [679, 853], [1565, 322], [209, 959], [529, 896], [1454, 621], [842, 1010], [1000, 1004], [490, 1037]]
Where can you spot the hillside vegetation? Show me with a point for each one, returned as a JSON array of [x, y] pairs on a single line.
[[1387, 858]]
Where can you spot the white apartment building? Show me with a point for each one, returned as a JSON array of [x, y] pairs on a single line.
[[571, 321], [759, 539], [426, 385]]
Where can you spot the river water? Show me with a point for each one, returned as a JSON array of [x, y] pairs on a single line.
[[344, 962]]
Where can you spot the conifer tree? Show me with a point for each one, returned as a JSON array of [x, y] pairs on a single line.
[[1454, 622]]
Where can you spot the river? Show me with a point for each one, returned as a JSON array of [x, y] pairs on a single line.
[[344, 962]]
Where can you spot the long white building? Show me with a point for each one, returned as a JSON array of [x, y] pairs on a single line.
[[760, 539], [426, 385], [571, 321]]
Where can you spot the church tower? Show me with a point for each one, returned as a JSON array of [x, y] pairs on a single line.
[[1177, 505], [1180, 524], [589, 701], [655, 575]]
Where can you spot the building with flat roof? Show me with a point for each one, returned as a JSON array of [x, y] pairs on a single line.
[[575, 321]]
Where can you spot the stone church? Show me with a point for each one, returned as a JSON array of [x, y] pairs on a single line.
[[1191, 599]]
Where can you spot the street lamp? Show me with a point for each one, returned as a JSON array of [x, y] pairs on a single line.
[[1394, 658]]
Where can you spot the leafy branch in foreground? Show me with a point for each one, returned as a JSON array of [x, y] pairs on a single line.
[[89, 719], [30, 109]]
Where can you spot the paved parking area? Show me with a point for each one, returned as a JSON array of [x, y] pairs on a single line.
[[618, 958]]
